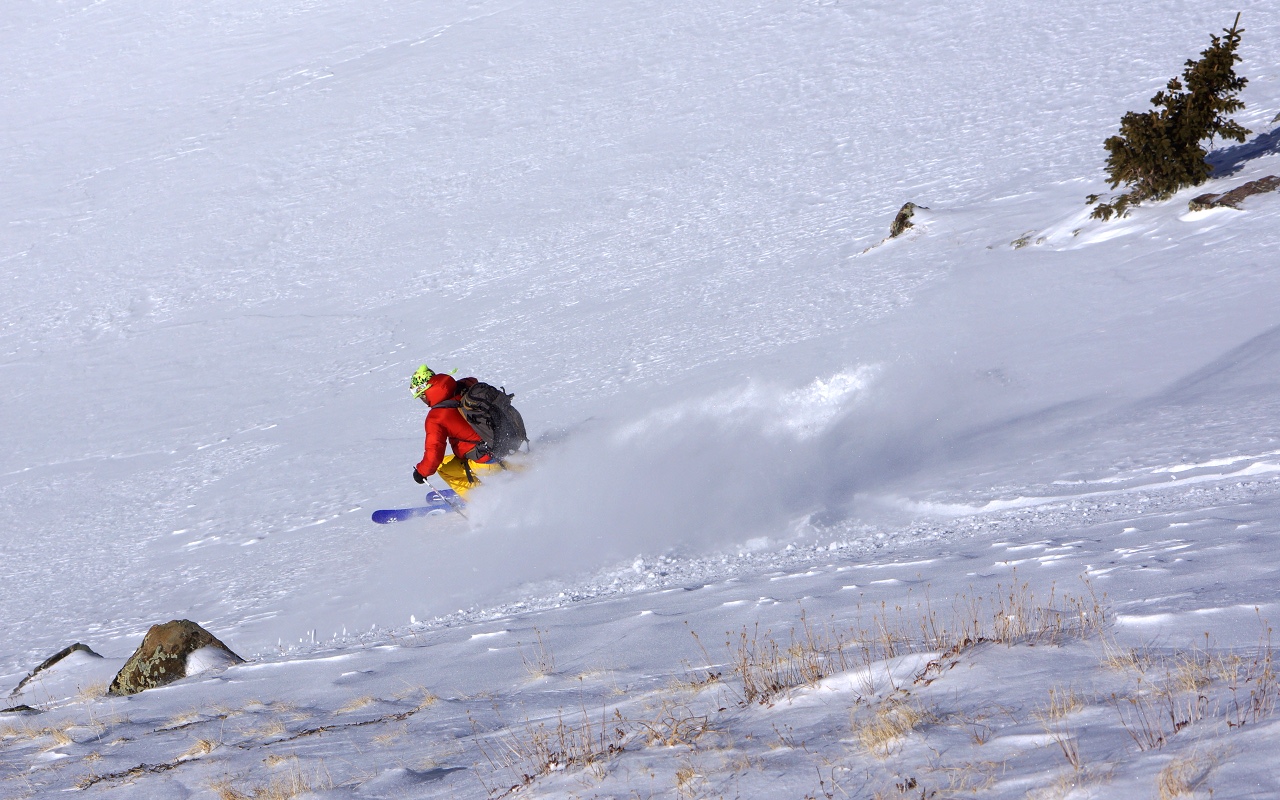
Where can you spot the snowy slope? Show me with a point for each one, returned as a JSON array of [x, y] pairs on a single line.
[[231, 234]]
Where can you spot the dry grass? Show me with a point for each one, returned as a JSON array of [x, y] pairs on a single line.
[[962, 780], [1185, 687], [1257, 675], [1142, 716], [691, 682], [979, 731], [1015, 615], [287, 710], [695, 679], [284, 787], [538, 659], [1069, 745], [357, 703], [92, 692], [59, 735], [1242, 685], [1128, 659], [828, 787], [1062, 703], [185, 718], [1012, 615], [1161, 706], [1184, 775], [1062, 786], [675, 724], [519, 756], [689, 781], [979, 725], [202, 747], [384, 739], [1192, 670], [541, 748], [766, 669], [969, 778], [879, 729], [905, 787], [937, 783], [270, 729], [26, 732], [593, 672], [425, 698]]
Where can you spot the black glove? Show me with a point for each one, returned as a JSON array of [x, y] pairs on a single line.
[[417, 476]]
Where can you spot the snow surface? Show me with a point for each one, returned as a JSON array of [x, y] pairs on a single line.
[[230, 233]]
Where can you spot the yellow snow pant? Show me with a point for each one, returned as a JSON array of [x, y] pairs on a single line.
[[454, 472]]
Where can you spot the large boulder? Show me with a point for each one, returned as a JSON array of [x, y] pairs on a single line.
[[166, 655]]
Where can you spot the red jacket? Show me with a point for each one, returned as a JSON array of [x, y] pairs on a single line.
[[446, 425]]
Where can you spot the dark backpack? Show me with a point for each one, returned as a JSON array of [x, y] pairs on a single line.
[[489, 410]]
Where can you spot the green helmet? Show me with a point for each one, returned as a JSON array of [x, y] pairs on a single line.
[[418, 383], [421, 377]]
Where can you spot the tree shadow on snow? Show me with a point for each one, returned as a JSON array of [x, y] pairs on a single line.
[[1232, 159]]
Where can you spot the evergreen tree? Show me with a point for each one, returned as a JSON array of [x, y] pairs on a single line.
[[1158, 152]]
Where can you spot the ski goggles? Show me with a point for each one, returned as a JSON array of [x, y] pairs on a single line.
[[418, 383]]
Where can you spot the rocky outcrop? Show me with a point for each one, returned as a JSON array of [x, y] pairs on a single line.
[[903, 220], [1233, 198], [24, 709], [163, 655], [51, 660]]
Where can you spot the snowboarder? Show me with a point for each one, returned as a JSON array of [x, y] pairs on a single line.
[[446, 425]]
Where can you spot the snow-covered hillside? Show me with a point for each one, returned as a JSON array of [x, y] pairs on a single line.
[[229, 234]]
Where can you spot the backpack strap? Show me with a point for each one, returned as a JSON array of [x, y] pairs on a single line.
[[480, 451], [477, 450]]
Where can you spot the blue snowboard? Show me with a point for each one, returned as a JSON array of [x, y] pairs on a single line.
[[437, 503]]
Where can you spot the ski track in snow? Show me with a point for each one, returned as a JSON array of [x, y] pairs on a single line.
[[230, 234]]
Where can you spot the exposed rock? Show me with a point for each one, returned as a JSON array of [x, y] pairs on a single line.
[[162, 657], [50, 661], [1025, 239], [903, 220], [1203, 202], [1233, 198], [20, 710]]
